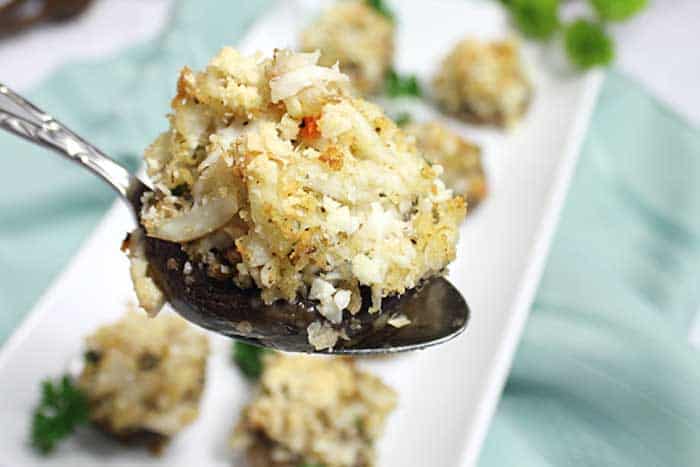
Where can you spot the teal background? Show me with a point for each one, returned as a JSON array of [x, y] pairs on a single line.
[[604, 375]]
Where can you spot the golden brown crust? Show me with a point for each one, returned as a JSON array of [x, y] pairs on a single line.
[[333, 157]]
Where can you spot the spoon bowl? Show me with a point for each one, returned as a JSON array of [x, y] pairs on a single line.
[[436, 311]]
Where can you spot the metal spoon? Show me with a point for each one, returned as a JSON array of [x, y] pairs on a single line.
[[436, 310]]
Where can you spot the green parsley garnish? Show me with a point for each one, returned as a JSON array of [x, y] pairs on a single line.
[[248, 358], [310, 464], [62, 408], [381, 8], [397, 85], [404, 118], [587, 44], [618, 10], [535, 18]]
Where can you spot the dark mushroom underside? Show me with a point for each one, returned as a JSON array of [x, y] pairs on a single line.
[[436, 310]]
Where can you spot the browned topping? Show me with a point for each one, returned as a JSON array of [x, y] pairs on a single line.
[[183, 86], [332, 157]]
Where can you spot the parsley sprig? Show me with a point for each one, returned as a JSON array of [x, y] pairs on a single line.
[[401, 85], [587, 45], [62, 408], [538, 19], [249, 359], [586, 41], [403, 119], [381, 8], [618, 10]]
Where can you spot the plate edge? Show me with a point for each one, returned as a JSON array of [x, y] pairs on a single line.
[[42, 305], [520, 309]]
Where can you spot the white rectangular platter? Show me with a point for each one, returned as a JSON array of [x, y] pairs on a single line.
[[447, 394]]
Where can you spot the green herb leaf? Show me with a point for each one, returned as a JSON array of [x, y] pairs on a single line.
[[310, 464], [397, 85], [403, 119], [618, 10], [360, 425], [587, 44], [381, 8], [248, 358], [62, 408], [535, 18]]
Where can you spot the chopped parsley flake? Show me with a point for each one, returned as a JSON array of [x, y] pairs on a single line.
[[248, 358], [397, 85]]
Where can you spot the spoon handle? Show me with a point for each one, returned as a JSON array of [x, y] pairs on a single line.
[[41, 128]]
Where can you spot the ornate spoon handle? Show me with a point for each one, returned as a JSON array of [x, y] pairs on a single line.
[[41, 128]]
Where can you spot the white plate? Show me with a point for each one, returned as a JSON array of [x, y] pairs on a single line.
[[447, 394]]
